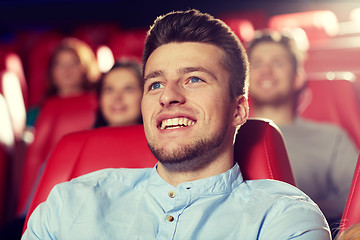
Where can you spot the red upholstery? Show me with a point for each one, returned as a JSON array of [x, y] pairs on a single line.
[[58, 117], [329, 57], [351, 214], [260, 151], [95, 34], [39, 54], [129, 44], [317, 24], [243, 28], [334, 101]]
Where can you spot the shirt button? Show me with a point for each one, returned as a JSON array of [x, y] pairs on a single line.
[[169, 218], [171, 194]]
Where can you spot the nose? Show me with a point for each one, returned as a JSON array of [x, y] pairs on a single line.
[[172, 94], [118, 96], [266, 69]]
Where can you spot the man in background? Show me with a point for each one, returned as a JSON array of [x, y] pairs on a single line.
[[322, 156]]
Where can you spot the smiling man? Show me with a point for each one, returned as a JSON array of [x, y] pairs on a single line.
[[322, 156], [195, 73]]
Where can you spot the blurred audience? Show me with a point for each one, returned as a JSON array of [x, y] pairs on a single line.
[[72, 71], [322, 156], [119, 92]]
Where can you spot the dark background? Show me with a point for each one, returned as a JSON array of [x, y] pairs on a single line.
[[17, 15]]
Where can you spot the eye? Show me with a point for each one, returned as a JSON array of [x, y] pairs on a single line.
[[195, 80], [130, 89], [155, 85], [107, 90], [278, 63]]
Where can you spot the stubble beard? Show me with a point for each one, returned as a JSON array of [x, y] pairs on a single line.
[[189, 157]]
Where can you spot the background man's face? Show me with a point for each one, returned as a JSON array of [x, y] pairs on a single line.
[[272, 74], [187, 111]]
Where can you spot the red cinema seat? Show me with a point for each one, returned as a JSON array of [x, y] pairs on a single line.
[[128, 44], [260, 151], [95, 34], [37, 63], [318, 24], [351, 214], [333, 101], [58, 117]]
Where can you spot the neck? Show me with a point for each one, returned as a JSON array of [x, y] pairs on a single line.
[[70, 92], [221, 164], [280, 115]]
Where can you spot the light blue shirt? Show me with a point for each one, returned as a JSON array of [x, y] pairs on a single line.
[[139, 204]]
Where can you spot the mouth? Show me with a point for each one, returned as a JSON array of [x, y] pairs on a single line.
[[118, 109], [174, 123], [266, 84]]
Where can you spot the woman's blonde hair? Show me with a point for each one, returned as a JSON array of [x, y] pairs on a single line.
[[352, 233]]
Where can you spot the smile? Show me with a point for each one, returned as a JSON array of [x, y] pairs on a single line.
[[173, 123]]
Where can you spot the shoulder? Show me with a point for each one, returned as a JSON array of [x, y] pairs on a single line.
[[101, 182], [106, 177], [276, 195], [315, 133], [324, 127], [283, 209], [272, 189]]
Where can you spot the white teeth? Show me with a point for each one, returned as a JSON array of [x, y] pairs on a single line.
[[267, 84], [176, 123]]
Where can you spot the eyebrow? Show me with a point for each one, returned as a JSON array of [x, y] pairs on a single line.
[[196, 69], [154, 74], [181, 71]]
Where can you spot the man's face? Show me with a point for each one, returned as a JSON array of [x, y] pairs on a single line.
[[187, 111], [272, 74]]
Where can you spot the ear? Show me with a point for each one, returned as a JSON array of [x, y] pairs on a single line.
[[241, 113], [300, 78]]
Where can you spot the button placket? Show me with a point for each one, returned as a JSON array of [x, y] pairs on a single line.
[[169, 218], [171, 194]]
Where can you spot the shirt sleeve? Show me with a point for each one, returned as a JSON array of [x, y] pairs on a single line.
[[44, 221], [298, 219]]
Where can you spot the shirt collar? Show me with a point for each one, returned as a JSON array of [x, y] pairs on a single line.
[[218, 184]]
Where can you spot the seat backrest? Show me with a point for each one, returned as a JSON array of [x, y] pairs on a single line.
[[58, 117], [260, 152], [128, 44], [37, 61], [351, 214], [333, 101]]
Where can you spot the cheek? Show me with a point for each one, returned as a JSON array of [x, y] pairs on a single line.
[[145, 109], [104, 101], [134, 102]]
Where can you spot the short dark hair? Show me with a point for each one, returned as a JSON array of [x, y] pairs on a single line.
[[287, 41], [194, 26]]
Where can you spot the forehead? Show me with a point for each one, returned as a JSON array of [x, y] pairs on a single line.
[[268, 50], [121, 76], [66, 54], [173, 56]]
